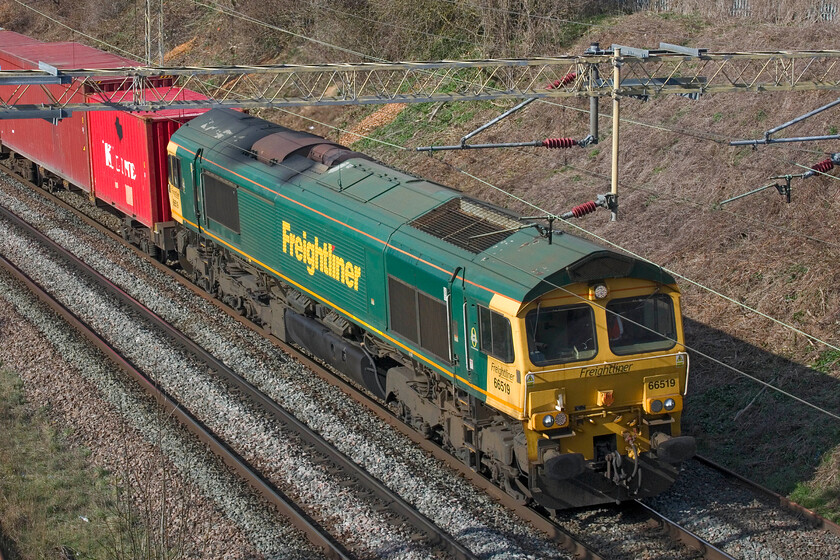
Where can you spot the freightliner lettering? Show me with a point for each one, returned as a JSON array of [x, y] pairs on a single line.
[[319, 256]]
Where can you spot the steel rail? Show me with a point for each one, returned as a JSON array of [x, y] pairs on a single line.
[[686, 537], [815, 519], [531, 515], [316, 534], [432, 534]]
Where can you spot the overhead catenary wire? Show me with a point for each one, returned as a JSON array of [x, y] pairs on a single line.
[[712, 137], [608, 242], [702, 135], [685, 200], [694, 350], [235, 13], [697, 284]]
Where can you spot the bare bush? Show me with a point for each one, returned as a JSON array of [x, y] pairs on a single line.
[[150, 511], [765, 11]]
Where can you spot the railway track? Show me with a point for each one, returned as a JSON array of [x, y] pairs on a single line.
[[538, 519], [534, 517], [816, 521], [337, 463], [316, 534], [678, 533]]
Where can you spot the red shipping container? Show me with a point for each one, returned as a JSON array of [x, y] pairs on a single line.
[[60, 148], [10, 38], [128, 155]]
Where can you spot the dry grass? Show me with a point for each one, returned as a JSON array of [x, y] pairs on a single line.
[[780, 12], [181, 50], [45, 486], [383, 116]]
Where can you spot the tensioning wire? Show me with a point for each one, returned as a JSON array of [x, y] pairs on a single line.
[[640, 257], [702, 206]]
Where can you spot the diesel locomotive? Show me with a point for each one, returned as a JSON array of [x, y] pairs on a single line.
[[552, 366]]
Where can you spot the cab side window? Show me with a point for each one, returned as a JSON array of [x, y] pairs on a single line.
[[495, 334], [175, 172], [641, 324]]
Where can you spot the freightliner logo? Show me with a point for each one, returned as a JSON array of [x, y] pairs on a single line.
[[319, 256], [608, 369]]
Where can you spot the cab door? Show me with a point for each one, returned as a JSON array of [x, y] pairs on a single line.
[[197, 188], [463, 330]]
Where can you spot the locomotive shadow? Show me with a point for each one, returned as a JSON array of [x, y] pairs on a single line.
[[762, 434]]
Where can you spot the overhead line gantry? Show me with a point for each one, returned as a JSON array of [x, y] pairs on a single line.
[[643, 74], [620, 72]]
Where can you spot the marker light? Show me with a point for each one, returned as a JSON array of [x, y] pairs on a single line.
[[600, 291], [656, 405], [561, 419], [548, 421], [670, 404]]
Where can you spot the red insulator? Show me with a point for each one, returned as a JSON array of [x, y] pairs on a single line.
[[555, 143], [584, 209], [568, 78], [823, 166]]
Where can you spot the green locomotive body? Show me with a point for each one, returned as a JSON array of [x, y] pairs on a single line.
[[460, 314]]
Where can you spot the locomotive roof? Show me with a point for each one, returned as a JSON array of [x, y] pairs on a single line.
[[507, 254]]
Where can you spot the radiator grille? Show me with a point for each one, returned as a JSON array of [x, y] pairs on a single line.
[[220, 201], [468, 224]]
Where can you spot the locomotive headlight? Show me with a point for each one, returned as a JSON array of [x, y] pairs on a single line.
[[670, 404], [656, 405], [548, 421], [598, 291]]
